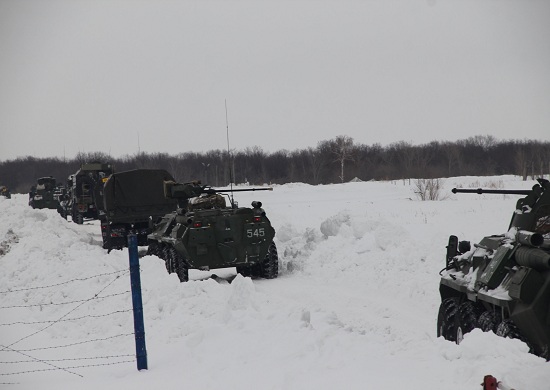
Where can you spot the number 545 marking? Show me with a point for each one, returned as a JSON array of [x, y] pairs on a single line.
[[260, 232]]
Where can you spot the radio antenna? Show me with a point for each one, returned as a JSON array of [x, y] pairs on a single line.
[[229, 156]]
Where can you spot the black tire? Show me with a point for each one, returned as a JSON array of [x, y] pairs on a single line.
[[245, 270], [181, 267], [78, 218], [107, 243], [175, 263], [488, 321], [269, 267], [253, 271], [152, 248], [106, 235], [508, 329], [169, 259], [164, 252], [466, 319], [446, 318]]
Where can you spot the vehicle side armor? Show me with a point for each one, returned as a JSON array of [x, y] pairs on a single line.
[[502, 284]]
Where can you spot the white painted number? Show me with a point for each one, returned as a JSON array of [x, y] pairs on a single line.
[[250, 233]]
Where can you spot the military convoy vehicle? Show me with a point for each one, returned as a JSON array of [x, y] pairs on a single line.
[[5, 192], [132, 202], [502, 284], [205, 233], [84, 199], [41, 195]]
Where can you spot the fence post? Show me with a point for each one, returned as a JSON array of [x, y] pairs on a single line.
[[139, 328]]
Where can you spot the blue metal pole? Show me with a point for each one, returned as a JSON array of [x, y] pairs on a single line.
[[139, 327]]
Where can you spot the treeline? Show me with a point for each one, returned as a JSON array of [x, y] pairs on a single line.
[[332, 161]]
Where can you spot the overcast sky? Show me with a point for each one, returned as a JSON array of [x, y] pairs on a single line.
[[121, 76]]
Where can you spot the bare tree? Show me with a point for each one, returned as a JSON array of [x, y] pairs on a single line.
[[342, 148]]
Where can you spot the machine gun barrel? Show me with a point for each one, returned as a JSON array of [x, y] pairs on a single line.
[[240, 189], [185, 191], [487, 191]]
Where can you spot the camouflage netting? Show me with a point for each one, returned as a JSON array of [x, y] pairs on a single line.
[[213, 201]]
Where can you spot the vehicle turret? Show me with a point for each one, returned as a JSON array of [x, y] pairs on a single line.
[[41, 195]]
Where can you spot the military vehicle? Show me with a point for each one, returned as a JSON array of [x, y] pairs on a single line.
[[502, 284], [5, 192], [204, 233], [85, 191], [132, 202], [41, 195]]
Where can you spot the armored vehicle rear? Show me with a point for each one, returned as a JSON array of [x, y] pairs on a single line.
[[86, 191], [132, 202], [205, 233], [41, 195], [502, 284]]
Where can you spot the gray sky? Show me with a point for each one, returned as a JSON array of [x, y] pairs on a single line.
[[115, 76]]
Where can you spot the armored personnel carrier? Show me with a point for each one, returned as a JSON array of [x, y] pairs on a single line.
[[85, 189], [132, 202], [41, 195], [502, 284], [206, 233]]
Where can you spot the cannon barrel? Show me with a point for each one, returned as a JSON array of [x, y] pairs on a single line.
[[533, 258], [487, 191]]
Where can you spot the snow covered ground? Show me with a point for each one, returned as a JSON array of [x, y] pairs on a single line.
[[354, 307]]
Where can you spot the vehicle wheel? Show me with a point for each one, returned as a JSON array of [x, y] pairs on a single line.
[[106, 243], [182, 268], [152, 248], [169, 258], [488, 321], [78, 219], [508, 329], [446, 322], [164, 252], [466, 319], [245, 270], [269, 267]]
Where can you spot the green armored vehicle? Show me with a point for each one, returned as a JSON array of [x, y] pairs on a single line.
[[204, 233], [132, 202], [41, 195], [85, 189], [502, 284]]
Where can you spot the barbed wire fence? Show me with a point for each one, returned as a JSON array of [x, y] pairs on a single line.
[[27, 356]]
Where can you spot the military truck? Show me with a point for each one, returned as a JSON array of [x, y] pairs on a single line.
[[5, 192], [41, 195], [502, 284], [132, 202], [85, 191], [205, 233]]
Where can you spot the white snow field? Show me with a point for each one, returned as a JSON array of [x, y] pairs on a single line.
[[354, 306]]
